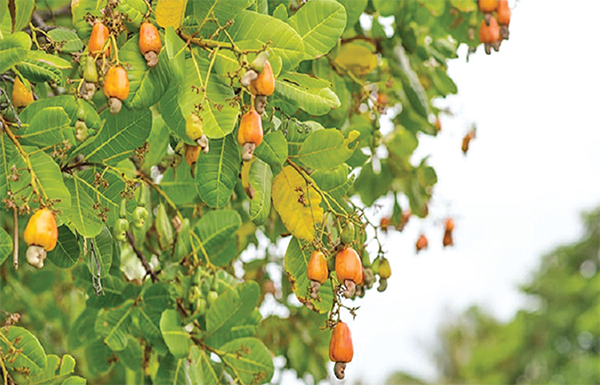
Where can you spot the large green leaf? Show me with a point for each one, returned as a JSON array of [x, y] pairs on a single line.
[[67, 40], [336, 184], [22, 350], [7, 150], [6, 245], [113, 325], [179, 184], [354, 8], [250, 360], [67, 250], [120, 136], [296, 262], [320, 23], [410, 81], [177, 339], [103, 247], [180, 371], [215, 229], [301, 91], [13, 50], [261, 179], [70, 104], [41, 67], [218, 115], [230, 308], [83, 216], [49, 126], [217, 172], [23, 11], [147, 85], [175, 48], [273, 149], [223, 10], [326, 149], [48, 173]]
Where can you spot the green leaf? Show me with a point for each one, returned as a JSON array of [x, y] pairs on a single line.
[[83, 216], [80, 9], [147, 85], [50, 184], [179, 184], [21, 349], [39, 71], [67, 39], [23, 11], [403, 143], [67, 364], [67, 251], [354, 8], [175, 48], [337, 184], [230, 308], [177, 339], [71, 107], [250, 358], [49, 126], [327, 149], [261, 179], [170, 13], [281, 13], [103, 246], [6, 245], [120, 136], [135, 11], [371, 185], [294, 95], [7, 150], [273, 149], [74, 380], [218, 115], [296, 263], [464, 5], [385, 7], [113, 325], [217, 172], [223, 10], [105, 193], [13, 50], [410, 81], [320, 23], [211, 371], [286, 45], [174, 371], [132, 355], [215, 229]]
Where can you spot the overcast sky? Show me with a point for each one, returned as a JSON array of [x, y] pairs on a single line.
[[533, 168]]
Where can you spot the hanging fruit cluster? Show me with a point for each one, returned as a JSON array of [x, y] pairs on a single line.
[[494, 26], [259, 79]]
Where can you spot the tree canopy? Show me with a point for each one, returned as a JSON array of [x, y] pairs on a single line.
[[161, 233]]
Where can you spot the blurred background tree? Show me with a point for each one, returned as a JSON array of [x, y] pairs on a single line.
[[555, 341]]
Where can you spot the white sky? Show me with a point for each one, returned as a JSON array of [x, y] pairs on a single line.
[[532, 169]]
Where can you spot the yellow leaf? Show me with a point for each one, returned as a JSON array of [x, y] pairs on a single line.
[[170, 13], [358, 57], [297, 204]]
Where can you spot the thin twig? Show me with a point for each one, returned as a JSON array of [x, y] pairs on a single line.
[[16, 238], [141, 257]]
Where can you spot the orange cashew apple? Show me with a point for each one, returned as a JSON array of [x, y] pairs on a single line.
[[317, 272], [349, 270], [41, 235], [250, 134], [116, 88], [341, 350], [22, 96], [150, 43], [98, 39]]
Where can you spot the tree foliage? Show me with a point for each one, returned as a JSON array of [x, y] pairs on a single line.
[[171, 298]]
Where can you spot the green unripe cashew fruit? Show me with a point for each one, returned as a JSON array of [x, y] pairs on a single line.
[[120, 229], [140, 215], [347, 235], [212, 297]]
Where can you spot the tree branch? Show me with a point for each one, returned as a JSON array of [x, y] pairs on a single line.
[[141, 257]]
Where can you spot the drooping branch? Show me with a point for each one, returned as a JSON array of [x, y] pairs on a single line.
[[142, 258]]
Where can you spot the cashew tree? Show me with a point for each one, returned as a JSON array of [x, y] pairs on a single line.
[[169, 167]]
